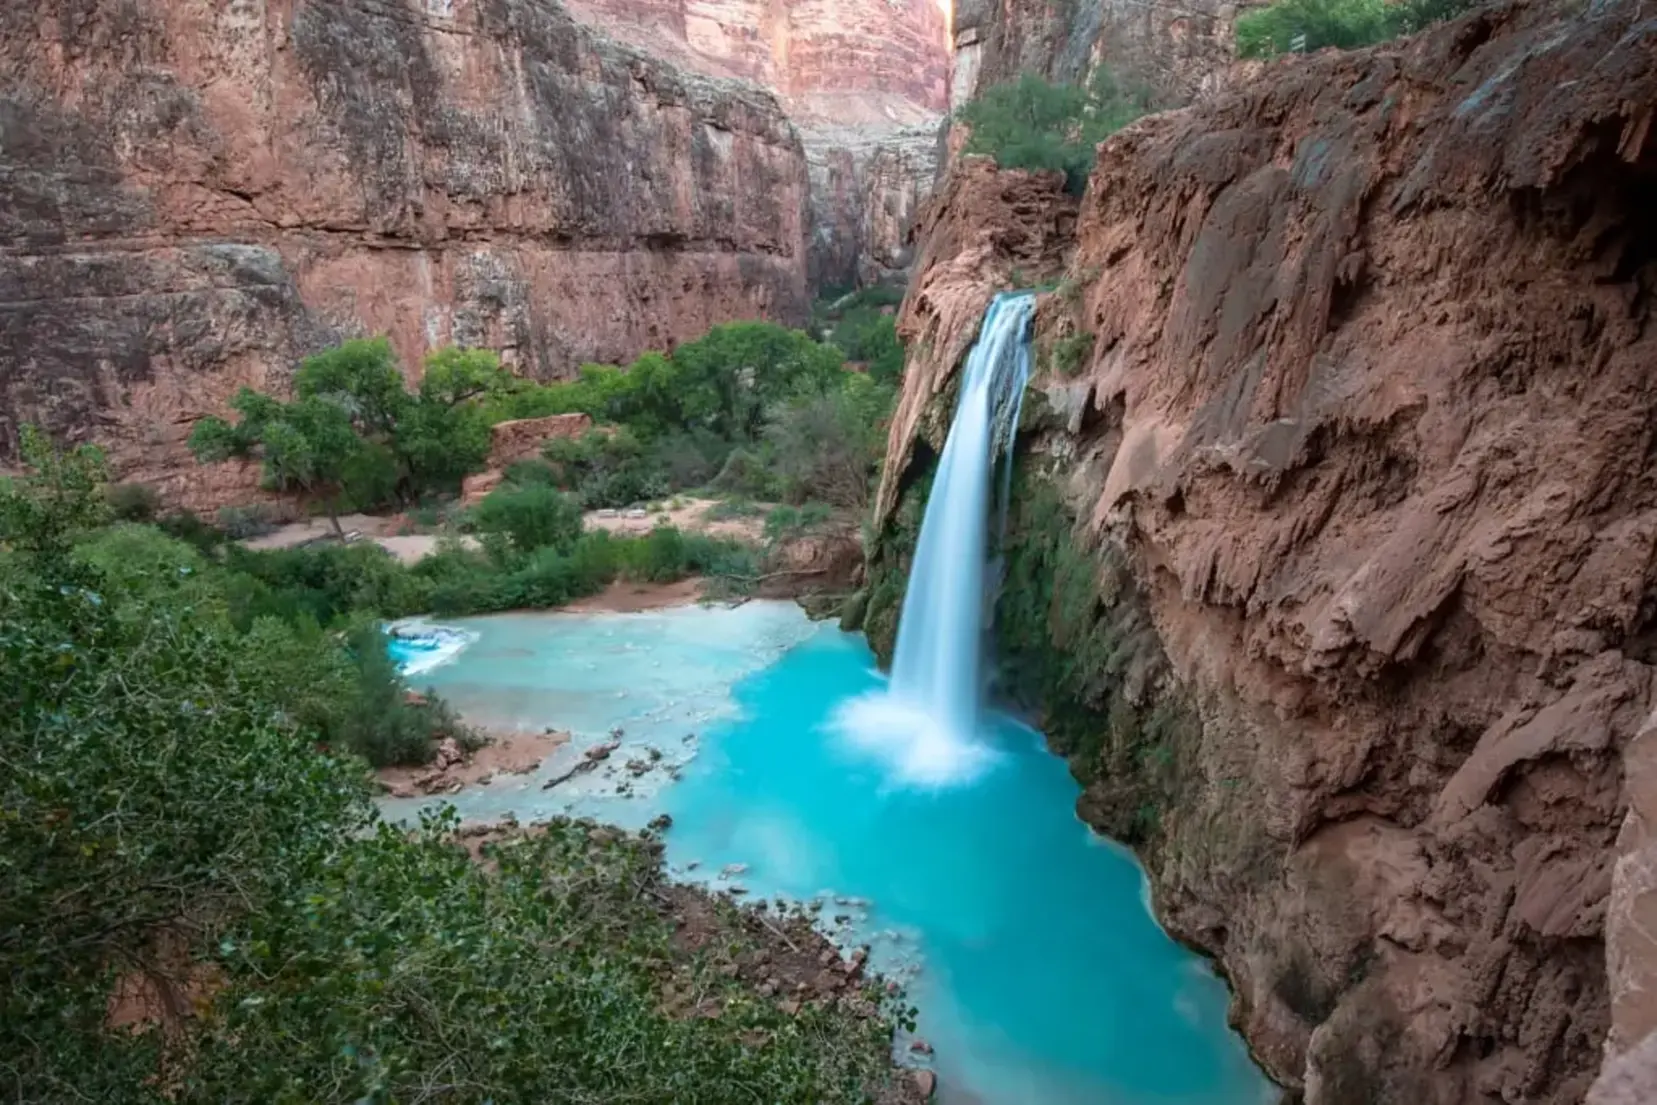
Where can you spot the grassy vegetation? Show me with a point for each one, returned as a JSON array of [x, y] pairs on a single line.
[[1070, 354], [1031, 123], [1344, 24], [181, 807]]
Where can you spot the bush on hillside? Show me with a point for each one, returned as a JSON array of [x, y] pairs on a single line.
[[1032, 123], [1343, 24], [133, 502]]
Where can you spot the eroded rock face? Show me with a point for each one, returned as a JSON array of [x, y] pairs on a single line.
[[1359, 448], [193, 196], [1178, 51], [864, 81]]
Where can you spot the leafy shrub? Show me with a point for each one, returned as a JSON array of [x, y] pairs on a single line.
[[133, 502], [607, 470], [239, 523], [376, 717], [326, 583], [688, 458], [868, 335], [829, 446], [1343, 24], [532, 516], [747, 473], [187, 526], [531, 473], [1070, 354], [1031, 123]]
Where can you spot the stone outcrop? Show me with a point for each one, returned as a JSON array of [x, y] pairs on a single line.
[[1178, 51], [192, 196], [864, 81], [1357, 448], [522, 438]]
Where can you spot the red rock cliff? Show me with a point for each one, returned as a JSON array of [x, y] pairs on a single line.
[[863, 80], [1362, 450], [194, 195]]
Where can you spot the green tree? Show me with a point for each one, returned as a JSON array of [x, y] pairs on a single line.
[[361, 377], [56, 497], [828, 447], [1032, 123], [532, 516], [354, 435], [869, 335], [727, 379], [307, 445]]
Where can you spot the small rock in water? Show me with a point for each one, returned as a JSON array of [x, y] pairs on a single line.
[[654, 753], [693, 865], [736, 888], [920, 1047], [661, 822], [732, 870], [926, 1083]]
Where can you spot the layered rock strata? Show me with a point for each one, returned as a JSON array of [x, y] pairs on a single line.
[[1333, 561], [1177, 51], [864, 81], [193, 196]]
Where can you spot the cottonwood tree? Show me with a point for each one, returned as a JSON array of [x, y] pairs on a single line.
[[354, 433]]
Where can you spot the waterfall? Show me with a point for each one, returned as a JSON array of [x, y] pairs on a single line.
[[927, 722]]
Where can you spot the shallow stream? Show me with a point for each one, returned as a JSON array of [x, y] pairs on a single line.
[[1025, 939]]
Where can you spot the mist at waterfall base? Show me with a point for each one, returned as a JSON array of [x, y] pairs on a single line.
[[938, 832], [927, 723]]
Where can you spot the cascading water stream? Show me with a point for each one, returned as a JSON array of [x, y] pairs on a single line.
[[927, 723]]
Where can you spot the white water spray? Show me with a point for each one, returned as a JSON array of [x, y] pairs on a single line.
[[926, 725]]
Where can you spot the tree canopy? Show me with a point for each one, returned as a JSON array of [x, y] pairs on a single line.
[[354, 435]]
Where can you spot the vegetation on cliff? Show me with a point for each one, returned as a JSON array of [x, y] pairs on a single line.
[[1032, 123], [196, 904], [1307, 25]]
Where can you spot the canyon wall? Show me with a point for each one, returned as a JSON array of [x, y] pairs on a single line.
[[1178, 51], [1333, 558], [864, 81], [194, 195]]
